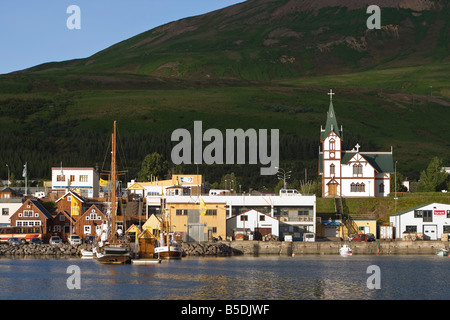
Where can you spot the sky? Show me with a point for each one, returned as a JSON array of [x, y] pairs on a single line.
[[33, 32]]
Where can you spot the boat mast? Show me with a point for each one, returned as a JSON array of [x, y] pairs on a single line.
[[113, 184]]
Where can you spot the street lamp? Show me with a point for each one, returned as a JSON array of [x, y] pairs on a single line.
[[8, 175], [283, 175]]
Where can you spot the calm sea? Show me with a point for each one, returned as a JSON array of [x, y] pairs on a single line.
[[249, 278]]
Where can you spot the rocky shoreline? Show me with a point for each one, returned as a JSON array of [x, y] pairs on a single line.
[[43, 249]]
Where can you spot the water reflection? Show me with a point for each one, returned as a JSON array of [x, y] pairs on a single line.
[[248, 278]]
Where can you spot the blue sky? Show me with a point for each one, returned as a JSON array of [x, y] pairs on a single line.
[[35, 31]]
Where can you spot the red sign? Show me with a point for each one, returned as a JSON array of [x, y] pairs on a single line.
[[439, 212]]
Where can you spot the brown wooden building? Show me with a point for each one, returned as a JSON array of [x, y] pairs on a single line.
[[88, 223], [32, 213]]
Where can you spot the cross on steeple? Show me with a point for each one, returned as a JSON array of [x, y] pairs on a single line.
[[331, 94], [357, 147]]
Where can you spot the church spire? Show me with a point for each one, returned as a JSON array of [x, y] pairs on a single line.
[[331, 124]]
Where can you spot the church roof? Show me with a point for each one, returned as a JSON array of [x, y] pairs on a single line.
[[381, 161], [331, 124]]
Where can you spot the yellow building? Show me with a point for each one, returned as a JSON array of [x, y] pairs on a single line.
[[179, 184], [153, 225], [190, 224]]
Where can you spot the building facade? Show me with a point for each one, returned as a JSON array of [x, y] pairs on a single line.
[[428, 222], [258, 223], [351, 173], [85, 180]]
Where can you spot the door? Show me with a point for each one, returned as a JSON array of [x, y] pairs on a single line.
[[430, 232], [261, 232], [332, 189]]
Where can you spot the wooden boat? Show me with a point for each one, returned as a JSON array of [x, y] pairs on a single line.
[[165, 249], [111, 249]]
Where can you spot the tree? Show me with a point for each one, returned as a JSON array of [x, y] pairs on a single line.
[[153, 166], [433, 178]]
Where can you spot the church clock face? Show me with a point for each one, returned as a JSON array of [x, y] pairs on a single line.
[[332, 155]]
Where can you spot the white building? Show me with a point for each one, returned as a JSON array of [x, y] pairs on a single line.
[[7, 208], [430, 220], [86, 180], [351, 173], [260, 224]]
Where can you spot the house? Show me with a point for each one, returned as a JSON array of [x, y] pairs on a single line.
[[63, 224], [7, 193], [7, 208], [428, 221], [90, 221], [260, 224], [72, 203], [351, 173], [86, 180], [32, 213], [153, 225]]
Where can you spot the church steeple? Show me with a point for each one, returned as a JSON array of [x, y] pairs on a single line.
[[331, 124]]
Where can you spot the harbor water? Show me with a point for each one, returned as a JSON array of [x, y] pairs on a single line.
[[310, 277]]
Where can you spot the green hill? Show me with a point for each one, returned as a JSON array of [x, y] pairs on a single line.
[[258, 64]]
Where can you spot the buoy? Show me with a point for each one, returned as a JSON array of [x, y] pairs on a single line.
[[293, 254]]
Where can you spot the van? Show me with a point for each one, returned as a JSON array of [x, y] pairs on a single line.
[[289, 192], [309, 237], [74, 239]]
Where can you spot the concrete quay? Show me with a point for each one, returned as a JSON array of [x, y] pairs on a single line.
[[332, 247]]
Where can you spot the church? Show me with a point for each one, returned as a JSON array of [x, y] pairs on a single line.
[[351, 173]]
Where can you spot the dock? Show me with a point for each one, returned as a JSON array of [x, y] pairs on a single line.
[[144, 262]]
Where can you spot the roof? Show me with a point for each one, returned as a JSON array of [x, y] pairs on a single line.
[[331, 124], [381, 161], [76, 195], [41, 208], [411, 209], [256, 211]]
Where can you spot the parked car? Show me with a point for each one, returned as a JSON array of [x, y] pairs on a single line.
[[359, 237], [370, 237], [35, 241], [14, 241], [89, 239], [55, 240], [74, 239]]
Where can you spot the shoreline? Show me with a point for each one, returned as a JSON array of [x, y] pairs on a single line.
[[250, 247]]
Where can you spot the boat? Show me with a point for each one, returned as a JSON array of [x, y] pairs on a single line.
[[345, 250], [165, 248], [442, 252], [86, 254], [112, 249]]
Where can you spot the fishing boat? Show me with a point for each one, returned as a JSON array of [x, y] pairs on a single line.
[[112, 249], [442, 252], [345, 250], [166, 249]]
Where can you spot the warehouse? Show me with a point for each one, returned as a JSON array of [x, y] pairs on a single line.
[[428, 222]]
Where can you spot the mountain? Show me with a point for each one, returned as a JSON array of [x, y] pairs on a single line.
[[258, 64], [277, 39]]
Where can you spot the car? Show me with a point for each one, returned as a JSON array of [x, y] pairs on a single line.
[[35, 241], [89, 239], [359, 237], [74, 239], [55, 240], [370, 237], [14, 241]]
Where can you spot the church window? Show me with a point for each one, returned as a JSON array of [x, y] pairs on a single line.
[[357, 169], [381, 188], [363, 187], [332, 144], [332, 169], [353, 187]]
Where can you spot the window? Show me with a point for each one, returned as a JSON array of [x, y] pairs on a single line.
[[87, 229], [411, 229], [353, 187], [427, 216], [28, 213], [60, 178], [363, 187], [262, 218], [381, 188], [357, 169], [332, 169], [181, 212], [211, 212], [244, 218], [214, 229], [62, 217], [448, 213], [93, 216], [5, 212], [332, 144], [446, 228], [84, 178], [72, 178], [418, 214]]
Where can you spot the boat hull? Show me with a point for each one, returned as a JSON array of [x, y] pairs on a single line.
[[168, 252], [114, 255]]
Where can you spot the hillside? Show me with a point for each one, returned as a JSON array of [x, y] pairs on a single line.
[[258, 64]]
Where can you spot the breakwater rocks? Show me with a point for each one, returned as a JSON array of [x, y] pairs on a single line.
[[209, 249], [42, 249]]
